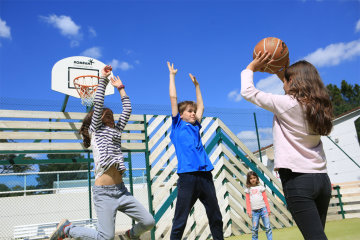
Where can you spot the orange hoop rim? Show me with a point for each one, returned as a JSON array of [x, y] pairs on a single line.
[[85, 91]]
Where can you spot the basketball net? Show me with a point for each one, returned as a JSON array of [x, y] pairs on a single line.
[[86, 87]]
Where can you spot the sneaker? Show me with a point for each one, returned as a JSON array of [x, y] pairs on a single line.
[[59, 234], [126, 236]]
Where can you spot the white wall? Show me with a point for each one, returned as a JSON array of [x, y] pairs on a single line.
[[15, 211], [340, 167]]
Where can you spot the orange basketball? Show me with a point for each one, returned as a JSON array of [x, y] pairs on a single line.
[[279, 53]]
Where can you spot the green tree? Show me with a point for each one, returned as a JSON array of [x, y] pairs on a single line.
[[345, 99], [47, 180], [4, 188], [12, 168]]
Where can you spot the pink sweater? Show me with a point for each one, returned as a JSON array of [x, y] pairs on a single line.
[[295, 148]]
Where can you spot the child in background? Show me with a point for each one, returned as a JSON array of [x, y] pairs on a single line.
[[257, 205], [194, 166]]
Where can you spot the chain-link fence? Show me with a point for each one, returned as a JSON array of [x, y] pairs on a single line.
[[45, 193]]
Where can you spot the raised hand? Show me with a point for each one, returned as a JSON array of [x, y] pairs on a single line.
[[116, 82], [193, 79], [106, 71], [171, 68], [261, 60]]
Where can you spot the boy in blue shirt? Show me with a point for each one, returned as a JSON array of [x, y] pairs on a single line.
[[194, 166]]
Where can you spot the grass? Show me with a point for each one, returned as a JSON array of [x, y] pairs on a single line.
[[346, 229]]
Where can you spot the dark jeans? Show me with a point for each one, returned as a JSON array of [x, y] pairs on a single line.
[[307, 196], [193, 186]]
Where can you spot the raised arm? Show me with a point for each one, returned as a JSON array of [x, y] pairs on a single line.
[[199, 100], [281, 74], [126, 104], [99, 99], [172, 90]]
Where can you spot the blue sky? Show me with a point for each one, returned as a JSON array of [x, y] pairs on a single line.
[[213, 40]]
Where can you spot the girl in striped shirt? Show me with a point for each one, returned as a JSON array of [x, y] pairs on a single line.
[[109, 192]]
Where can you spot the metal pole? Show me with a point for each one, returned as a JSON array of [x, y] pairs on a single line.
[[257, 136], [64, 103], [148, 176], [24, 185], [337, 187], [89, 187], [131, 178]]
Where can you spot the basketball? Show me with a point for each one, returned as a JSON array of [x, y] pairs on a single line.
[[279, 54]]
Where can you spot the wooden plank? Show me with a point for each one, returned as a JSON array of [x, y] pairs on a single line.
[[155, 123], [160, 133], [40, 135], [249, 153], [352, 191], [158, 150], [211, 131], [161, 162], [351, 207], [352, 215], [55, 115], [350, 199], [26, 147], [41, 114], [60, 135], [56, 125]]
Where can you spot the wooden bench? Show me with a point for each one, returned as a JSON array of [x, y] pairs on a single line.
[[44, 230], [57, 132]]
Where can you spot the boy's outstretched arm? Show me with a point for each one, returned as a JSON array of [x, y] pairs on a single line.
[[199, 100], [172, 90]]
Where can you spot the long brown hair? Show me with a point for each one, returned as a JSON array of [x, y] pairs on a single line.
[[248, 175], [107, 119], [307, 87]]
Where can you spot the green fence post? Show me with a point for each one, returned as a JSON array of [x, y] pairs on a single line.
[[89, 187], [131, 182], [148, 176], [337, 188], [257, 136]]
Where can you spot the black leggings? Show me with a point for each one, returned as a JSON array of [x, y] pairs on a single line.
[[307, 196]]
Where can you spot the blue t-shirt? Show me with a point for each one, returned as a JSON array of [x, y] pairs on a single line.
[[190, 152]]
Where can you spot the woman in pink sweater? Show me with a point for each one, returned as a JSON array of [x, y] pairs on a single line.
[[301, 117]]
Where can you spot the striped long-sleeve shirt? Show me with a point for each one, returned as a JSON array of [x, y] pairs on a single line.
[[106, 141]]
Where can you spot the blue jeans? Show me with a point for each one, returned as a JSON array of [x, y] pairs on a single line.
[[256, 214], [307, 196], [108, 200]]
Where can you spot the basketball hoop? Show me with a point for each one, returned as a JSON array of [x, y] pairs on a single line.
[[86, 87]]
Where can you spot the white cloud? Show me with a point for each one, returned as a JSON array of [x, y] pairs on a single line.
[[92, 32], [265, 131], [94, 52], [235, 95], [4, 30], [246, 135], [334, 54], [250, 140], [357, 27], [116, 64], [271, 84], [65, 24]]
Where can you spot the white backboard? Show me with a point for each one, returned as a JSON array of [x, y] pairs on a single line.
[[65, 70]]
